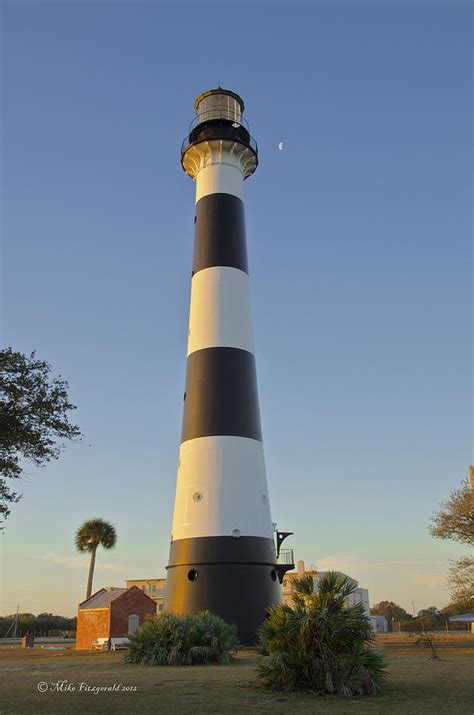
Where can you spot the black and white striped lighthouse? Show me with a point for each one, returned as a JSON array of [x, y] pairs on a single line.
[[222, 557]]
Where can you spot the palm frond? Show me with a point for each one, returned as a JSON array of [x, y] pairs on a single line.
[[320, 642], [170, 639], [93, 533]]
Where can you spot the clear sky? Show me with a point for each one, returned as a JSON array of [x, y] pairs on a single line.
[[360, 260]]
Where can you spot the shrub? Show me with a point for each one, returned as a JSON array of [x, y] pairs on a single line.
[[320, 642], [170, 639]]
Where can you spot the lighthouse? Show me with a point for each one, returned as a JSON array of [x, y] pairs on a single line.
[[223, 556]]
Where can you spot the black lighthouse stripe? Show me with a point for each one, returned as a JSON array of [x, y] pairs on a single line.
[[220, 233], [221, 395], [222, 549]]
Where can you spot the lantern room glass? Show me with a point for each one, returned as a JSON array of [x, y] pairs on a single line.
[[219, 106]]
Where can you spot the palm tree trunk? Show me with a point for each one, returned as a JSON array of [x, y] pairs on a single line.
[[91, 572]]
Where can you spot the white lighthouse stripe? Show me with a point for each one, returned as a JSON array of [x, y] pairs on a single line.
[[221, 489], [220, 310], [220, 179]]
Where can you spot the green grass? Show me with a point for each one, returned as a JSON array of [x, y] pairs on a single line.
[[415, 684]]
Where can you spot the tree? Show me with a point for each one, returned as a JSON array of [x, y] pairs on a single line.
[[392, 612], [92, 534], [38, 625], [430, 618], [461, 581], [455, 520], [320, 642], [33, 417]]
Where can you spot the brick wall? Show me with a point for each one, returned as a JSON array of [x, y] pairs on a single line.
[[132, 601], [92, 623]]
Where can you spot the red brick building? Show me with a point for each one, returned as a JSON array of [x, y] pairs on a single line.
[[112, 613]]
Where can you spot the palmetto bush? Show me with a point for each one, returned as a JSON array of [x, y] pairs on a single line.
[[170, 639], [320, 642]]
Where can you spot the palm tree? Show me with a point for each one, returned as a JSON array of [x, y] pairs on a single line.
[[320, 642], [89, 536]]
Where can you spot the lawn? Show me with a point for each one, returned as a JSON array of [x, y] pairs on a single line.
[[415, 684]]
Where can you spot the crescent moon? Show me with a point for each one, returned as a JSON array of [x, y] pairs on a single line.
[[280, 146]]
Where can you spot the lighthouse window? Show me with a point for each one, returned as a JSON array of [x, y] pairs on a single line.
[[192, 575], [197, 496], [273, 575], [236, 533]]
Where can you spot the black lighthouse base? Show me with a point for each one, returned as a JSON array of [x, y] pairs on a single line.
[[235, 578]]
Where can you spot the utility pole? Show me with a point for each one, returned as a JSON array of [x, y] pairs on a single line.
[[16, 620]]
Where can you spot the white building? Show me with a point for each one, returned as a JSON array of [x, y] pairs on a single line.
[[379, 624]]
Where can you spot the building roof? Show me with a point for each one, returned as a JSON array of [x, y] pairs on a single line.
[[463, 618], [102, 598]]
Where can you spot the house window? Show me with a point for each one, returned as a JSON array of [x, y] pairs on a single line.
[[133, 623]]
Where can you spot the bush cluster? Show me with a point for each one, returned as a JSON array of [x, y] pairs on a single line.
[[320, 642], [170, 639]]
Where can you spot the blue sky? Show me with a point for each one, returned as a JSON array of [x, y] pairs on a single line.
[[360, 259]]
